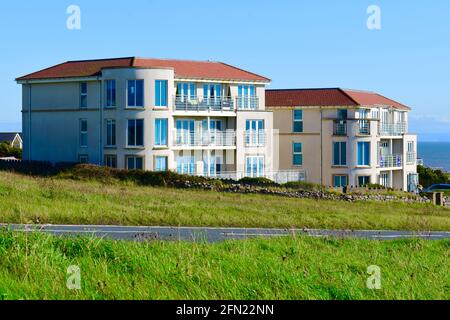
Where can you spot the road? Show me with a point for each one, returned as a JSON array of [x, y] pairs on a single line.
[[213, 234]]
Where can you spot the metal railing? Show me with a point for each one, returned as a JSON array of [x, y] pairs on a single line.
[[276, 176], [255, 138], [340, 127], [392, 129], [364, 127], [391, 161], [188, 103], [185, 138], [411, 158], [247, 103]]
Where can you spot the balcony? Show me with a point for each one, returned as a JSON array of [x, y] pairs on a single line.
[[364, 127], [276, 176], [340, 127], [391, 161], [392, 129], [185, 103], [411, 158], [247, 103], [205, 139], [255, 138]]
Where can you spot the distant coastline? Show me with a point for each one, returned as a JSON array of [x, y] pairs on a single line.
[[435, 154]]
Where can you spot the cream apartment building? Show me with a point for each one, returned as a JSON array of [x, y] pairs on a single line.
[[199, 118], [344, 137]]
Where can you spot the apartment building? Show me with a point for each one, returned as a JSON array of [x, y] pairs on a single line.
[[344, 137], [199, 118]]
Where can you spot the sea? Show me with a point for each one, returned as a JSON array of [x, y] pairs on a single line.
[[435, 154]]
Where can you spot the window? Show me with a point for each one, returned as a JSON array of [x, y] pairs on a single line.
[[411, 147], [340, 181], [255, 135], [342, 114], [297, 154], [247, 97], [186, 165], [384, 179], [212, 94], [161, 93], [161, 163], [215, 164], [298, 121], [111, 161], [83, 95], [186, 91], [160, 132], [136, 133], [83, 133], [83, 158], [110, 93], [135, 163], [339, 153], [363, 153], [136, 93], [363, 181], [255, 166], [185, 133], [110, 133]]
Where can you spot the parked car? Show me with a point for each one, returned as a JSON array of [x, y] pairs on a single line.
[[438, 188]]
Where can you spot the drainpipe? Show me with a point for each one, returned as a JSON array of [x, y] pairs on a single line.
[[100, 159], [29, 121]]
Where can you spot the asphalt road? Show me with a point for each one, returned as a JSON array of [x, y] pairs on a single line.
[[213, 234]]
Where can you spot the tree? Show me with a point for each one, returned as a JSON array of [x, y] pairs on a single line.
[[428, 176], [7, 151]]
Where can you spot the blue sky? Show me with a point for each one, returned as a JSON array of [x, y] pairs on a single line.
[[298, 44]]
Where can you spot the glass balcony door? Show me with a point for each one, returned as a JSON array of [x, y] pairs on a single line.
[[246, 97], [254, 132], [185, 132], [255, 166], [212, 94]]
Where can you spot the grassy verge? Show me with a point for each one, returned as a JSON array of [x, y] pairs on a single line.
[[35, 267], [25, 199]]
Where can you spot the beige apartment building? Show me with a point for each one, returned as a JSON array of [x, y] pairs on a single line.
[[198, 118], [215, 120], [344, 137]]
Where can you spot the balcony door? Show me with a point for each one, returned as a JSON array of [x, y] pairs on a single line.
[[246, 97], [254, 132], [212, 94], [215, 130], [185, 132], [255, 166]]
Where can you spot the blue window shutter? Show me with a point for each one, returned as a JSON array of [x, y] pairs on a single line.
[[157, 93], [366, 153], [157, 132], [360, 153], [164, 93], [139, 93], [344, 153], [336, 158]]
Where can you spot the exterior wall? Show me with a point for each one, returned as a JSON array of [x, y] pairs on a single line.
[[317, 144], [52, 130]]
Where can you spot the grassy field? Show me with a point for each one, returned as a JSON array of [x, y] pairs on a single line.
[[35, 267], [25, 199]]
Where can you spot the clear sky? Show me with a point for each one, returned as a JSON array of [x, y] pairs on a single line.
[[298, 44]]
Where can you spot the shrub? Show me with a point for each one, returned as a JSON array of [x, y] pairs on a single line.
[[302, 185], [7, 151], [259, 182]]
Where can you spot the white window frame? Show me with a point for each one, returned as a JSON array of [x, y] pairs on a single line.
[[113, 105], [135, 134], [108, 160], [110, 124], [83, 133], [85, 94], [259, 171], [135, 94]]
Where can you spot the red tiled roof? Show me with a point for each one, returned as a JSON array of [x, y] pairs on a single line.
[[365, 98], [327, 97], [182, 68]]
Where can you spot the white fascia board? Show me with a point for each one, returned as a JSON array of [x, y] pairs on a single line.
[[59, 80]]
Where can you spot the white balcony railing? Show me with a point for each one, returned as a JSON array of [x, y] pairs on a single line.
[[187, 103], [391, 161], [247, 103], [185, 138], [393, 129], [411, 158], [255, 138], [276, 176], [364, 127]]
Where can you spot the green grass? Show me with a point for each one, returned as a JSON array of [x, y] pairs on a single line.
[[26, 199], [35, 267]]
